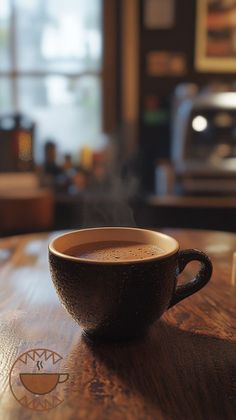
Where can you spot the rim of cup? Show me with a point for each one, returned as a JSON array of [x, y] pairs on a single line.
[[62, 242]]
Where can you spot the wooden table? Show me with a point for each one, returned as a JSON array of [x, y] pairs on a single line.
[[184, 369]]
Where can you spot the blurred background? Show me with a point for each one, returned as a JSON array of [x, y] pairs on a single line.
[[116, 112]]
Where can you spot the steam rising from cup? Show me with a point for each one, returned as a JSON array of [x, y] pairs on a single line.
[[108, 205]]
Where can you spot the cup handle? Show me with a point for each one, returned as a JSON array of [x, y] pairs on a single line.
[[64, 376], [202, 277]]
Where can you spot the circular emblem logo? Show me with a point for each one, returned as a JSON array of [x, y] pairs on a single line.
[[36, 379]]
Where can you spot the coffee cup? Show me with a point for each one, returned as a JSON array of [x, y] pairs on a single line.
[[42, 383], [120, 297]]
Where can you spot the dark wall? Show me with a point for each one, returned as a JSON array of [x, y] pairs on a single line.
[[155, 138]]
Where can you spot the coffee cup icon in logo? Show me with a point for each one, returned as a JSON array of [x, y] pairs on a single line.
[[42, 383], [36, 379]]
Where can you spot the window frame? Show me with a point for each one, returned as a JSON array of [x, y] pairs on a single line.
[[109, 73]]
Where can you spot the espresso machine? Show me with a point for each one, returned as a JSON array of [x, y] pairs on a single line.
[[204, 144]]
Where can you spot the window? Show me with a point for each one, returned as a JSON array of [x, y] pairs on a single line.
[[50, 68]]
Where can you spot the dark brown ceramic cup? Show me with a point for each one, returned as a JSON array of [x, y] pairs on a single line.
[[121, 299]]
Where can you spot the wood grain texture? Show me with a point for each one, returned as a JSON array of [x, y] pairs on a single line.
[[185, 368]]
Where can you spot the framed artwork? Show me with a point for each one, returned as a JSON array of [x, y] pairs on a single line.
[[159, 14], [166, 63], [215, 48]]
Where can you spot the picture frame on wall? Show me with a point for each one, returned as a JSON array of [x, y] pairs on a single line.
[[166, 64], [159, 14], [215, 45]]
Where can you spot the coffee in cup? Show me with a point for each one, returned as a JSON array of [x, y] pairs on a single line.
[[114, 250]]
